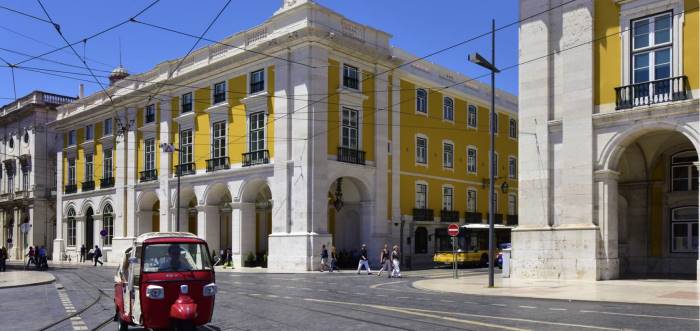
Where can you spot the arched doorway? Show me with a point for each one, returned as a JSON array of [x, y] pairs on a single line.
[[148, 213], [187, 212], [218, 218], [347, 215], [89, 228], [263, 219], [657, 206], [252, 223]]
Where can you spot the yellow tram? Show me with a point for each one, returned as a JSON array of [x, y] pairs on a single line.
[[472, 244]]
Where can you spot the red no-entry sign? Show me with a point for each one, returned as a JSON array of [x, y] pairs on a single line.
[[453, 230]]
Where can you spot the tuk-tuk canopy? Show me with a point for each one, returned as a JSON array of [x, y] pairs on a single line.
[[164, 235]]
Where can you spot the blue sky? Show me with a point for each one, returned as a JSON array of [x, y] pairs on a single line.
[[420, 27]]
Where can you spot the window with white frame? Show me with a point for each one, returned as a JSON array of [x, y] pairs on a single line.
[[471, 116], [684, 174], [421, 196], [448, 109], [89, 132], [652, 43], [150, 114], [107, 163], [218, 140], [421, 101], [350, 128], [25, 179], [351, 77], [72, 138], [107, 127], [186, 103], [89, 171], [70, 227], [684, 229], [71, 171], [471, 160], [471, 200], [256, 132], [11, 182], [186, 147], [447, 197], [447, 155], [421, 150], [149, 146], [513, 128], [512, 204], [257, 81], [108, 224], [219, 92], [512, 167]]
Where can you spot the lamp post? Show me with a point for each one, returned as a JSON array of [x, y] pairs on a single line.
[[170, 148], [476, 58]]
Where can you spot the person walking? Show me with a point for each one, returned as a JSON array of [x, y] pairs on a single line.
[[3, 257], [30, 255], [83, 251], [42, 262], [324, 259], [364, 260], [384, 258], [395, 258], [97, 255], [334, 260]]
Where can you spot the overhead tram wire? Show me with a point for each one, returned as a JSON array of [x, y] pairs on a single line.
[[25, 14], [12, 70]]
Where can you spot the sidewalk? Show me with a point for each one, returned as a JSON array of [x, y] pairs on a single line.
[[17, 278], [649, 291]]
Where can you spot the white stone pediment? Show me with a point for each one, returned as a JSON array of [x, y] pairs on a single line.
[[255, 103], [351, 98], [218, 112]]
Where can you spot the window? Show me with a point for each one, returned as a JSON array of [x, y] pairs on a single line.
[[447, 197], [218, 146], [448, 109], [651, 51], [512, 167], [350, 130], [495, 123], [513, 128], [421, 196], [447, 155], [89, 174], [684, 230], [107, 164], [421, 240], [683, 172], [71, 171], [471, 116], [186, 146], [495, 165], [421, 101], [107, 127], [108, 224], [25, 179], [26, 137], [89, 134], [71, 138], [11, 182], [219, 92], [471, 160], [186, 103], [70, 227], [421, 150], [150, 114], [351, 77], [471, 201], [512, 204], [256, 132], [149, 154], [257, 81]]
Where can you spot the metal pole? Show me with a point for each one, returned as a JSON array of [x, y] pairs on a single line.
[[177, 217], [491, 152]]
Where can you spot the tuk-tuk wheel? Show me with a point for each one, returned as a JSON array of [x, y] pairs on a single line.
[[180, 325], [121, 325]]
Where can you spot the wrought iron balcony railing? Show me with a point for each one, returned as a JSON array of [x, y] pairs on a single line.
[[423, 214], [472, 217], [497, 218], [648, 93], [185, 169], [107, 182], [148, 175], [450, 216], [70, 189], [218, 163], [256, 158], [350, 155], [512, 220], [88, 185]]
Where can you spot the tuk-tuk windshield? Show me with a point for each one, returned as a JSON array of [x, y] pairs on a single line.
[[175, 257]]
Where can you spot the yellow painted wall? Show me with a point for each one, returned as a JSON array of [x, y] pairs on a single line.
[[175, 132], [270, 128], [140, 148], [98, 156], [368, 115], [80, 160], [606, 52], [691, 44], [202, 128], [237, 119], [333, 106]]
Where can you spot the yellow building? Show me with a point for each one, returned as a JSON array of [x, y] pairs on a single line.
[[608, 171], [314, 133]]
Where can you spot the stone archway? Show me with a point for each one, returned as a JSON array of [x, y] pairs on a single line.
[[252, 223], [349, 214], [148, 213], [217, 229], [89, 228]]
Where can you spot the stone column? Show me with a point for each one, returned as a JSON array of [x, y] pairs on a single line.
[[608, 263], [144, 222], [18, 240], [201, 222], [165, 167], [208, 226], [3, 234], [243, 231], [131, 180], [697, 164]]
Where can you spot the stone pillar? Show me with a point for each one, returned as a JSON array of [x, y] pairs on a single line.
[[697, 164], [124, 180], [201, 222], [144, 222], [243, 231], [608, 259], [211, 228], [165, 167], [3, 230], [131, 180], [18, 240], [379, 221]]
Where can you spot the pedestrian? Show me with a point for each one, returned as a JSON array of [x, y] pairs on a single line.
[[395, 258], [384, 258], [83, 251], [334, 259], [97, 255], [30, 256], [43, 263], [3, 257], [324, 259], [364, 260], [229, 258]]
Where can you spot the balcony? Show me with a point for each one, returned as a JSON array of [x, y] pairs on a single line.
[[449, 216], [148, 175], [218, 163], [107, 182], [649, 93], [88, 186], [472, 217], [256, 158], [512, 220], [185, 169], [422, 214], [497, 218], [350, 155], [70, 189]]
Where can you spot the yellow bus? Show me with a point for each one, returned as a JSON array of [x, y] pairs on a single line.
[[472, 244]]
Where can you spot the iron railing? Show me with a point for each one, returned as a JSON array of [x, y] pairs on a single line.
[[185, 169], [107, 182], [148, 175], [218, 163], [512, 219], [451, 216], [648, 93], [256, 158], [423, 214], [472, 217], [70, 189], [88, 186], [497, 218], [350, 155]]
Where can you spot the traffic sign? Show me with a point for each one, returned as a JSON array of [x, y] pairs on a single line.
[[103, 232], [453, 230], [25, 227]]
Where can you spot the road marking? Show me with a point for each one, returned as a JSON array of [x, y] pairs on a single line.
[[402, 298], [447, 301], [381, 295], [422, 314], [528, 307], [306, 288], [76, 321], [498, 304], [558, 309], [323, 290], [272, 296], [471, 302], [382, 284], [640, 315], [291, 287]]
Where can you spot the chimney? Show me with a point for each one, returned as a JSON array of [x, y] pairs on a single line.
[[81, 91]]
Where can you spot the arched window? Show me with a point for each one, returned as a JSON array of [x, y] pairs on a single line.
[[108, 224], [421, 101], [684, 174], [70, 227], [448, 109], [421, 240], [684, 229]]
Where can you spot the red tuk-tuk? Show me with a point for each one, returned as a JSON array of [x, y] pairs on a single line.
[[166, 281]]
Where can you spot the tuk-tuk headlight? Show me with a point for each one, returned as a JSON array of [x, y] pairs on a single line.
[[209, 290], [155, 292]]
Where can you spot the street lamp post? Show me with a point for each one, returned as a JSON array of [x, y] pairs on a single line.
[[476, 58], [170, 148]]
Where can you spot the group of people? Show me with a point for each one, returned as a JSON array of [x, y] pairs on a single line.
[[390, 260], [95, 253], [224, 258], [37, 257]]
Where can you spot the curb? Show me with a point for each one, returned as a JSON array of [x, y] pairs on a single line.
[[51, 281]]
